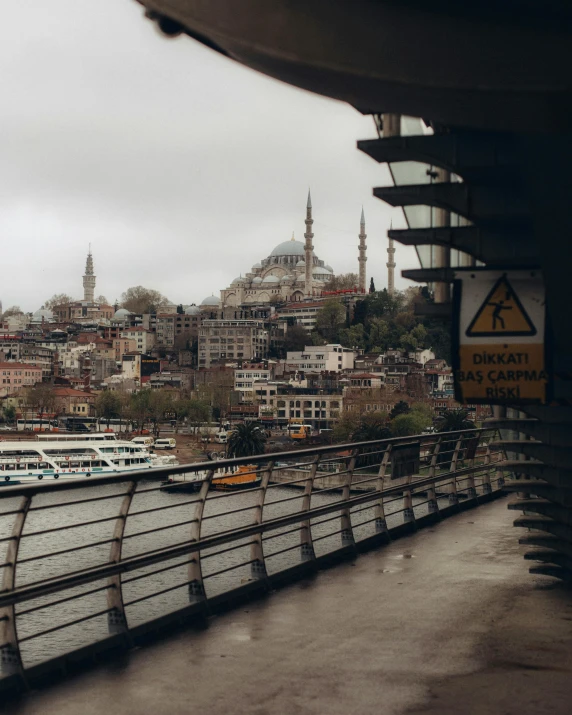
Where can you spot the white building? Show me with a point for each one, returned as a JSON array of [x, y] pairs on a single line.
[[144, 339], [316, 358], [245, 378]]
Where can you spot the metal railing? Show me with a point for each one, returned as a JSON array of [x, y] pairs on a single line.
[[93, 564]]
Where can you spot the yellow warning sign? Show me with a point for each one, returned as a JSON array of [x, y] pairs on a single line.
[[502, 372], [501, 314]]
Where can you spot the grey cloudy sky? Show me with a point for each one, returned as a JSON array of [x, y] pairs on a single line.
[[181, 167]]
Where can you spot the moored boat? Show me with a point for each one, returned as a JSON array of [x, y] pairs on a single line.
[[26, 461]]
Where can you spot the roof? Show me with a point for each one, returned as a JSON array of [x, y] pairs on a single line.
[[289, 248], [70, 392], [18, 366]]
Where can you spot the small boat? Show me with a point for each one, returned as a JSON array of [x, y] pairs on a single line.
[[244, 477]]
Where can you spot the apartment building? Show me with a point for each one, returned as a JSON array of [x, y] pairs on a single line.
[[232, 340], [144, 339], [15, 375], [319, 358]]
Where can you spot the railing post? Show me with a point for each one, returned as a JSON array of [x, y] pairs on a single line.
[[116, 616], [433, 503], [487, 488], [408, 513], [196, 585], [10, 656], [306, 544], [453, 494], [258, 564], [379, 509], [347, 533]]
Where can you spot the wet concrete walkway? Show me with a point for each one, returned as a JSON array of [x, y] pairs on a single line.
[[445, 621]]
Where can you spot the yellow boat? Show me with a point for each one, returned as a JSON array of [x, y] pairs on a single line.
[[244, 477]]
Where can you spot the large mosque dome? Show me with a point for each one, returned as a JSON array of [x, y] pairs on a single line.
[[289, 248]]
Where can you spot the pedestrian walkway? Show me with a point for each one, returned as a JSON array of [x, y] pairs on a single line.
[[445, 621]]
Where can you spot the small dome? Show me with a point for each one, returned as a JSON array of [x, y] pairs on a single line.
[[301, 279], [121, 313], [42, 314], [211, 300], [286, 279], [192, 310], [257, 279], [256, 265], [329, 268], [240, 279], [270, 279], [319, 271], [301, 263]]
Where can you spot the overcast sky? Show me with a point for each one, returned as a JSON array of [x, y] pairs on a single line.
[[181, 167]]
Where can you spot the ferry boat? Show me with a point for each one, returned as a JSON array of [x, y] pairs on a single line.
[[70, 458]]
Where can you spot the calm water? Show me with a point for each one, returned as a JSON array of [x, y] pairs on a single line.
[[144, 584]]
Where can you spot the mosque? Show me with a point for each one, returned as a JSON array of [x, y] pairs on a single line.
[[291, 272]]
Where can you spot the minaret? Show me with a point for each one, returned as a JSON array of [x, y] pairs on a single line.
[[89, 279], [362, 248], [390, 267], [308, 247]]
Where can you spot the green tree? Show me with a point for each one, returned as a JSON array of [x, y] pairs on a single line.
[[108, 406], [197, 412], [346, 426], [245, 441], [9, 413], [407, 424], [139, 408], [453, 420], [160, 402], [373, 425], [353, 337], [378, 334], [13, 310], [330, 318], [296, 338], [400, 408]]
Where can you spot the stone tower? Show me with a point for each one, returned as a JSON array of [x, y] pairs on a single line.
[[89, 279], [308, 247], [390, 267], [362, 257]]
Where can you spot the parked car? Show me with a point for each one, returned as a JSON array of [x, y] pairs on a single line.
[[148, 441], [165, 443], [7, 428]]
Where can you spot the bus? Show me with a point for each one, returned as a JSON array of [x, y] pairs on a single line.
[[114, 425], [36, 425], [79, 424]]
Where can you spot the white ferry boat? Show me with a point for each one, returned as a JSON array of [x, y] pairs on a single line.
[[70, 458]]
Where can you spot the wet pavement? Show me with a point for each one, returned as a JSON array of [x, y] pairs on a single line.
[[445, 621]]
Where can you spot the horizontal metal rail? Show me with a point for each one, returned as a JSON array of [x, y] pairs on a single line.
[[241, 523]]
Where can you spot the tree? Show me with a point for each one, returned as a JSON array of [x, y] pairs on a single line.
[[371, 285], [13, 310], [453, 420], [102, 300], [346, 426], [197, 412], [296, 338], [373, 425], [41, 398], [143, 300], [58, 299], [139, 408], [400, 408], [160, 402], [410, 423], [108, 406], [245, 441], [9, 413], [344, 281], [378, 334], [330, 318], [353, 337]]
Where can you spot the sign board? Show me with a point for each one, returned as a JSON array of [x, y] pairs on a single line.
[[499, 333], [405, 459]]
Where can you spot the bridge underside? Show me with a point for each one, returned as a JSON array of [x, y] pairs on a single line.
[[492, 79]]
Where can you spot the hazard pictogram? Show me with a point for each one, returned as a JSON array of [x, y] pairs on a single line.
[[501, 314]]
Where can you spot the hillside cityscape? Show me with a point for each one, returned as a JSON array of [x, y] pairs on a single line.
[[287, 343]]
